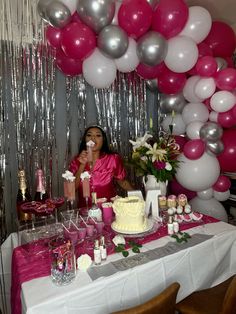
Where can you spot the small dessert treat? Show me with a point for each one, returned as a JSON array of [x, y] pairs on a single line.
[[182, 200], [187, 209], [171, 201], [162, 202], [179, 209], [129, 214], [196, 216], [171, 211]]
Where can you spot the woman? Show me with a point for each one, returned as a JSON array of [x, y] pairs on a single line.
[[105, 167]]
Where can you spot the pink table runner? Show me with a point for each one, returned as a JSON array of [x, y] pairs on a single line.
[[32, 260]]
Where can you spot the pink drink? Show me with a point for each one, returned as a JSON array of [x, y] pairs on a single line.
[[71, 233], [86, 188], [82, 233], [90, 230], [99, 226], [107, 213], [70, 189]]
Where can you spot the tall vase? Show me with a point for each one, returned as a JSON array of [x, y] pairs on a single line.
[[150, 183]]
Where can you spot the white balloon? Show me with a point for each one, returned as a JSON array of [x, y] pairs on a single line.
[[213, 116], [115, 18], [189, 89], [71, 5], [177, 122], [195, 112], [193, 129], [98, 70], [198, 24], [221, 196], [206, 194], [205, 87], [199, 174], [182, 54], [210, 207], [129, 61], [222, 101]]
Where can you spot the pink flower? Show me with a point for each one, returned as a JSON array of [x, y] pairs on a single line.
[[159, 165]]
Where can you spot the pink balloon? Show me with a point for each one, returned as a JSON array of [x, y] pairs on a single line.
[[68, 66], [75, 18], [222, 184], [227, 119], [176, 188], [221, 39], [149, 72], [135, 17], [194, 149], [170, 17], [226, 79], [170, 82], [181, 141], [230, 61], [228, 156], [78, 41], [204, 50], [206, 66], [53, 36]]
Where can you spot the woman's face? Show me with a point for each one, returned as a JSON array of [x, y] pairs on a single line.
[[95, 135]]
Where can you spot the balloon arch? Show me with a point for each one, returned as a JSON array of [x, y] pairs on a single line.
[[178, 50]]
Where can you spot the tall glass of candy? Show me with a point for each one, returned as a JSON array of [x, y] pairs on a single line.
[[69, 188], [85, 177]]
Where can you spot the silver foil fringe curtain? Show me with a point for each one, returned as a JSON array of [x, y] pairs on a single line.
[[43, 113]]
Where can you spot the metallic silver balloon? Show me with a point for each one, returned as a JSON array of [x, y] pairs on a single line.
[[215, 147], [152, 85], [41, 8], [96, 13], [211, 132], [153, 3], [113, 41], [168, 103], [151, 48], [221, 63], [57, 14]]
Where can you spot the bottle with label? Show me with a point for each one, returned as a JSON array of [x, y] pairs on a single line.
[[40, 194], [103, 248], [97, 253], [95, 212], [23, 196], [170, 226]]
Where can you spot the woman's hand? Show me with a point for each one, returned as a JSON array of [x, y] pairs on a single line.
[[83, 157]]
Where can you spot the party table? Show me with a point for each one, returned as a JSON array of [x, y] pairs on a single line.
[[194, 267]]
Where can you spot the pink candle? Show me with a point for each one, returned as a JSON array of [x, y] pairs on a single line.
[[86, 188]]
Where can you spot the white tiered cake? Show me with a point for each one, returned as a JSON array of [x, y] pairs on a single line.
[[129, 215]]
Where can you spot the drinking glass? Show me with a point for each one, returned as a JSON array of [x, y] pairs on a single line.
[[69, 193], [58, 201], [30, 208]]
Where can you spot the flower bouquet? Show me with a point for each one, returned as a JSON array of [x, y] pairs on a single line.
[[156, 158]]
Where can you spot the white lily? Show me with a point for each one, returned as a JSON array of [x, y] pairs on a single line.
[[157, 153], [140, 141], [168, 166]]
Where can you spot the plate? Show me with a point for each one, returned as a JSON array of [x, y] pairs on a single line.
[[149, 227]]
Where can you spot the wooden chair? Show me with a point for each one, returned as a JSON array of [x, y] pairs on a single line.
[[220, 299], [164, 303]]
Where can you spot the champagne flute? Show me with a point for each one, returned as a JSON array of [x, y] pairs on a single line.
[[69, 192], [86, 190]]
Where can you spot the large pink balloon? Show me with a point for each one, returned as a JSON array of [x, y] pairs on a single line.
[[228, 156], [176, 188], [149, 72], [170, 17], [221, 39], [68, 66], [222, 184], [135, 17], [194, 149], [53, 36], [226, 79], [170, 82], [227, 119], [78, 41], [206, 66]]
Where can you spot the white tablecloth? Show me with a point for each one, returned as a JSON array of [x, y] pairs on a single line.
[[197, 267]]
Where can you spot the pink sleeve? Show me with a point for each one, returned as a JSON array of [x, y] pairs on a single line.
[[74, 165], [119, 172]]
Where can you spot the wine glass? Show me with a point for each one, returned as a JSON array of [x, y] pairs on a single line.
[[58, 201], [86, 190], [30, 208], [44, 210]]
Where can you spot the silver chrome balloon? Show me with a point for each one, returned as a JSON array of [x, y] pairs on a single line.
[[221, 63], [96, 13], [57, 14], [113, 41], [168, 103], [41, 8], [215, 147], [153, 3], [151, 48], [211, 132]]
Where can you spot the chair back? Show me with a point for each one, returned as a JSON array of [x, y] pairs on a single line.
[[163, 303], [229, 303]]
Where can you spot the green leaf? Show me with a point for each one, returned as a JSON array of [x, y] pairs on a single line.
[[125, 253], [135, 249], [119, 249]]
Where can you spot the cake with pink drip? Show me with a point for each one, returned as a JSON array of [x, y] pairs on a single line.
[[129, 215]]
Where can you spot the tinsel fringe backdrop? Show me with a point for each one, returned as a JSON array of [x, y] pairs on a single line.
[[43, 113]]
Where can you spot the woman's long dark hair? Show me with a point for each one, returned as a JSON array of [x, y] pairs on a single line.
[[105, 146]]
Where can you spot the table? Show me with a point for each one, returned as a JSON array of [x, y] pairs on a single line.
[[197, 267]]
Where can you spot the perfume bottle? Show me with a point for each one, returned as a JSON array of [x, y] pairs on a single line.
[[103, 249], [97, 253]]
